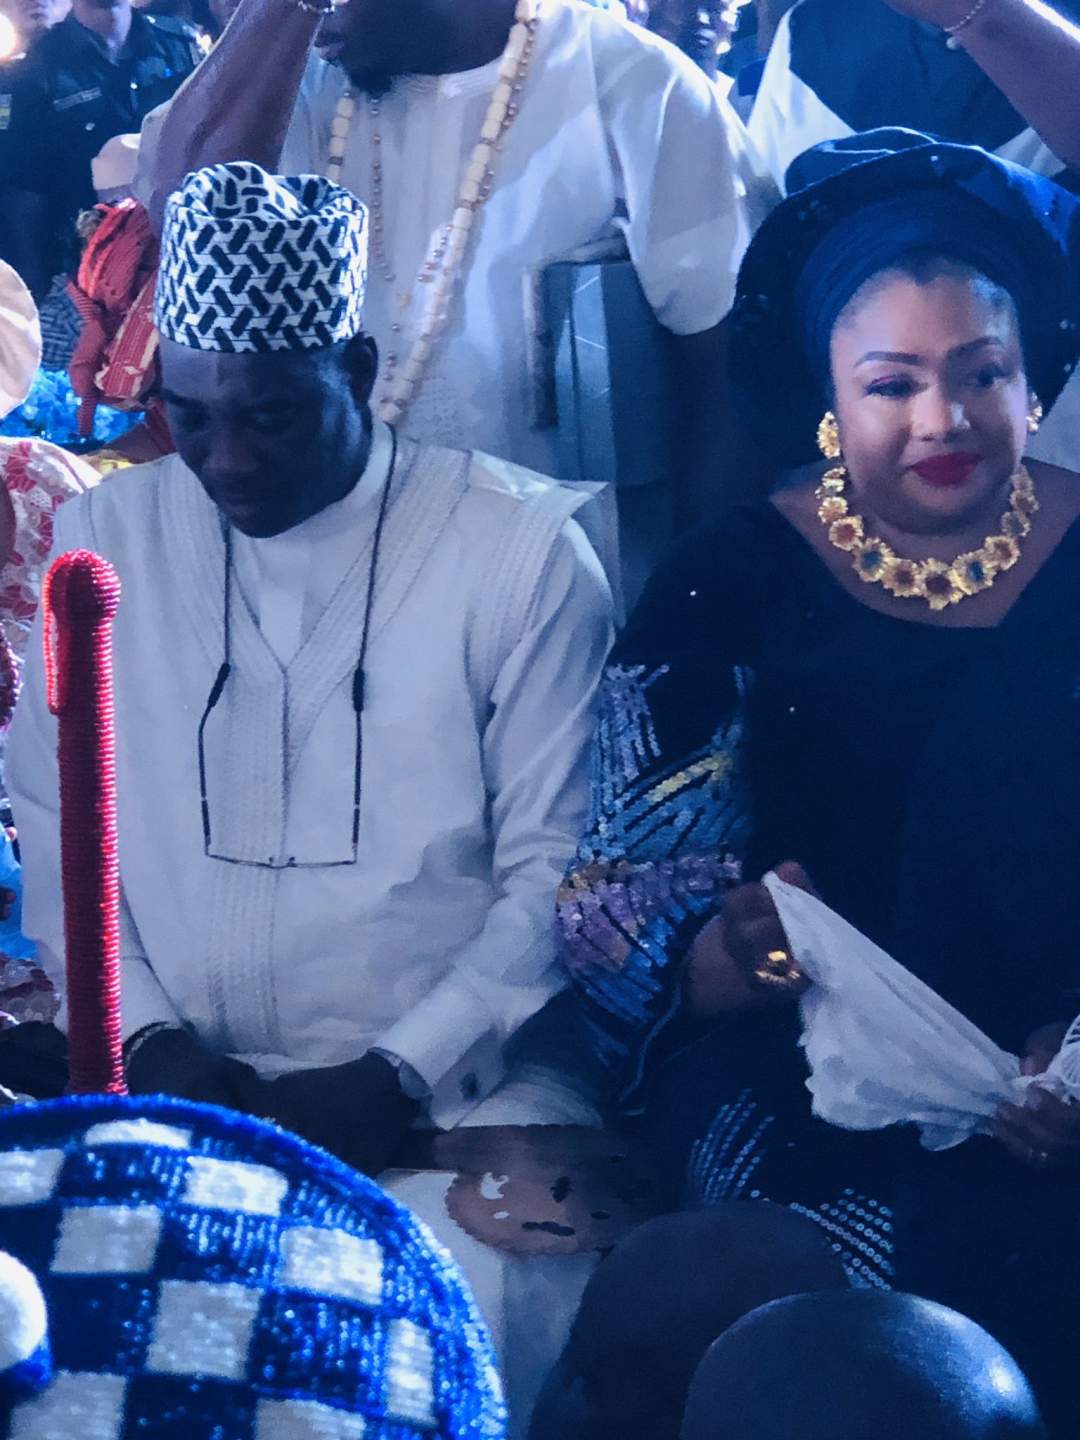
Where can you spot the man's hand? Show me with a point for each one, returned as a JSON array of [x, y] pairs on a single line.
[[357, 1111], [722, 978], [172, 1062]]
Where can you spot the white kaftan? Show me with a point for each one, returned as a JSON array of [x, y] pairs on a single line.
[[491, 623], [619, 136]]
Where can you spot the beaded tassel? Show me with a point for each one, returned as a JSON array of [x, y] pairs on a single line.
[[80, 597]]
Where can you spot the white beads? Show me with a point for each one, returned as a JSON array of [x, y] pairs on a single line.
[[442, 265]]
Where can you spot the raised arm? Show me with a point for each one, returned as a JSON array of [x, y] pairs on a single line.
[[1029, 50], [238, 103]]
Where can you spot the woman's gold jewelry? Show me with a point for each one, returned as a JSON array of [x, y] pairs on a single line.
[[1035, 416], [939, 584], [450, 244], [828, 436], [779, 970]]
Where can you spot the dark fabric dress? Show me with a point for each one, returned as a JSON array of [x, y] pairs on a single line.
[[929, 781]]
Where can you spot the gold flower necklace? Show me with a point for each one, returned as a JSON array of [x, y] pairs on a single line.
[[934, 581]]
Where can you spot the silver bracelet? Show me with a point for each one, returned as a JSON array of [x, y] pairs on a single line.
[[320, 7], [953, 30]]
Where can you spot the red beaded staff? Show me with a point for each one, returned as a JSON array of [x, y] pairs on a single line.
[[80, 597]]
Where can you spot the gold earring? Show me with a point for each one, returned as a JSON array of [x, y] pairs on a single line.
[[828, 436], [1034, 419]]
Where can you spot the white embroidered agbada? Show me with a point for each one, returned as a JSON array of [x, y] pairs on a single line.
[[490, 625], [619, 136]]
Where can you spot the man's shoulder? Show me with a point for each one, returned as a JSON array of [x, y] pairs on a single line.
[[172, 37], [30, 71], [504, 487], [128, 502]]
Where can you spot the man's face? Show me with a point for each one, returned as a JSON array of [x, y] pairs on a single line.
[[37, 15], [273, 439], [374, 40]]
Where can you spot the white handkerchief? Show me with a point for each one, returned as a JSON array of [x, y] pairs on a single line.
[[884, 1048]]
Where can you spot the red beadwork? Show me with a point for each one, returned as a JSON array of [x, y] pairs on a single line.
[[80, 597]]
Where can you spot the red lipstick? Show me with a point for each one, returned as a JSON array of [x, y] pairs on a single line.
[[947, 470]]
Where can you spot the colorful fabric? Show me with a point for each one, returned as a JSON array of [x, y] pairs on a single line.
[[664, 843], [61, 325], [237, 1283], [116, 357], [26, 993], [51, 413], [38, 478], [256, 262]]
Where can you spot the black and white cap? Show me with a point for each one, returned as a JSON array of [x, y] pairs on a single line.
[[253, 262]]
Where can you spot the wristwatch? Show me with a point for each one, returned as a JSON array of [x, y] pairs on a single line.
[[413, 1085]]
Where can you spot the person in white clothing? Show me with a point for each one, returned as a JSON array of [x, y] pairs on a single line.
[[488, 147], [352, 711], [994, 73]]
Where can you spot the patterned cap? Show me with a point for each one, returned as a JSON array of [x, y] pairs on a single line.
[[177, 1272], [252, 262]]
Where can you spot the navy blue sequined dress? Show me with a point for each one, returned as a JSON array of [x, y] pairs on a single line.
[[928, 779]]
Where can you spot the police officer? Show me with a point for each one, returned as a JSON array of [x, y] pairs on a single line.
[[93, 76]]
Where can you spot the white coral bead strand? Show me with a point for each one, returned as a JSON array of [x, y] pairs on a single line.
[[339, 136], [475, 190]]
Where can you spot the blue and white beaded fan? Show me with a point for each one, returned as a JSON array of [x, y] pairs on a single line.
[[171, 1271]]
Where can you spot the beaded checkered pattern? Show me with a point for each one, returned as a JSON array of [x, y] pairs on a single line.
[[206, 1275], [252, 262]]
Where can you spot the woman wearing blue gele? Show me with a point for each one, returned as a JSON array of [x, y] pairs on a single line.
[[869, 678]]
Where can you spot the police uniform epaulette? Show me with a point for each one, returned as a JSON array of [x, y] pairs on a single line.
[[170, 25]]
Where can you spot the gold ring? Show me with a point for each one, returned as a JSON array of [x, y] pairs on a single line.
[[779, 969]]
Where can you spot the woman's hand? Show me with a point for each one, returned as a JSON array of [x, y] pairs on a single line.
[[722, 976], [1043, 1133], [1041, 1046]]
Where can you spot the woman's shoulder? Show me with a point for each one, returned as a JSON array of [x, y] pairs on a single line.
[[717, 582]]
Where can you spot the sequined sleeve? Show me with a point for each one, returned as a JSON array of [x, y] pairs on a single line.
[[669, 821], [666, 832]]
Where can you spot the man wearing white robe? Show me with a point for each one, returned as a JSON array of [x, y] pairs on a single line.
[[345, 980], [619, 140]]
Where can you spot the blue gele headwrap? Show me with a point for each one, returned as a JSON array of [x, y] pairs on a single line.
[[858, 205]]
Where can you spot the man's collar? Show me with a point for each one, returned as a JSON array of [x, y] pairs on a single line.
[[375, 475]]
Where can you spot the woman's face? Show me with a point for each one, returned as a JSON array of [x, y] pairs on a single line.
[[931, 398]]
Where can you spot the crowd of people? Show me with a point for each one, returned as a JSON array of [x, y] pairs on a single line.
[[457, 793]]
